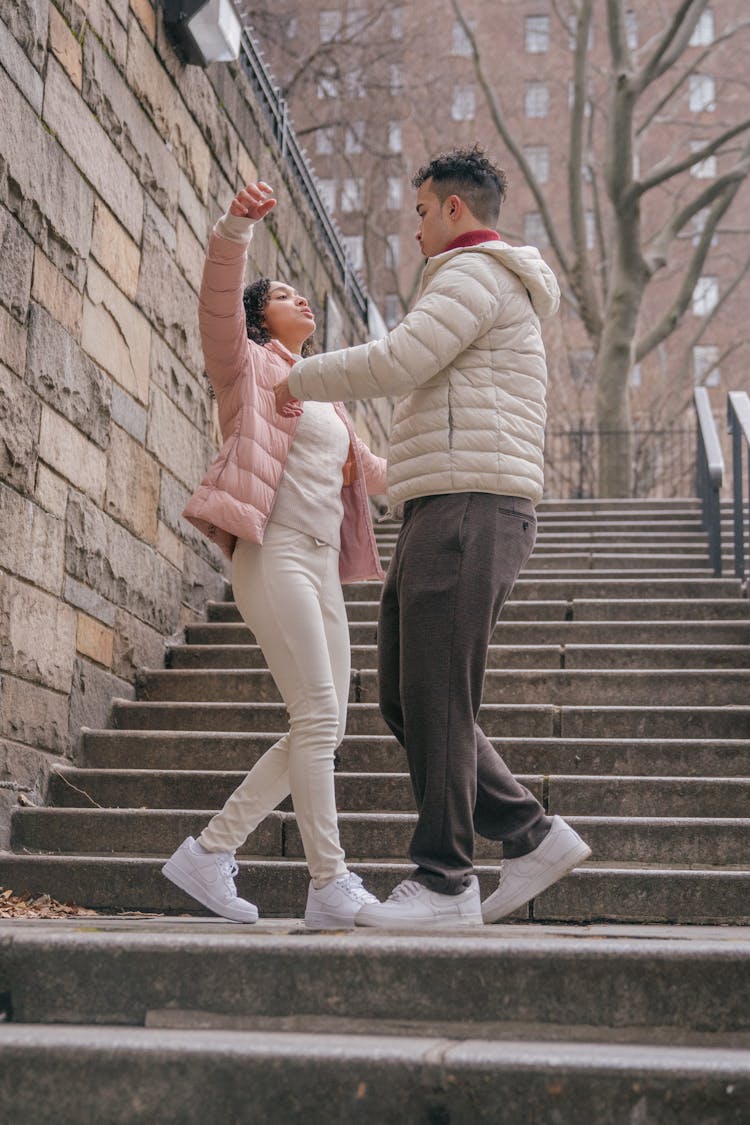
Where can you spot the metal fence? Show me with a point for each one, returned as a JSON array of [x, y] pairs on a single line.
[[275, 108], [663, 461]]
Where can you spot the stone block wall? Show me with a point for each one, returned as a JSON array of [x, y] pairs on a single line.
[[115, 160]]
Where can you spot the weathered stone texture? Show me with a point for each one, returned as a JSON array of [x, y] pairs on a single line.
[[161, 100], [109, 559], [194, 211], [94, 689], [128, 127], [190, 254], [17, 257], [173, 440], [65, 449], [115, 250], [37, 635], [86, 142], [135, 646], [12, 343], [110, 29], [170, 546], [168, 301], [65, 378], [215, 124], [146, 16], [94, 640], [51, 490], [33, 714], [200, 583], [62, 300], [66, 48], [32, 543], [191, 395], [40, 185], [88, 600], [19, 432], [132, 485], [27, 20], [129, 414], [116, 334]]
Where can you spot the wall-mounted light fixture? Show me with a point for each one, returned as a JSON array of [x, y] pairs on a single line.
[[203, 31]]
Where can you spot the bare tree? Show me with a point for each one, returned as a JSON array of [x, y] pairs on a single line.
[[606, 284]]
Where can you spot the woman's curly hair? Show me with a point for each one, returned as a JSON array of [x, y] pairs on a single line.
[[255, 299]]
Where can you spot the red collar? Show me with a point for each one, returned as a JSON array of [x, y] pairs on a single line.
[[472, 238]]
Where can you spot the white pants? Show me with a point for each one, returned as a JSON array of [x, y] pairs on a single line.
[[289, 593]]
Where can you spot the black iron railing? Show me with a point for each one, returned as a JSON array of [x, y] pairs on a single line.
[[738, 417], [709, 474], [662, 461], [275, 109]]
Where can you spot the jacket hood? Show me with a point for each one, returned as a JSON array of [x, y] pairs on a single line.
[[524, 261]]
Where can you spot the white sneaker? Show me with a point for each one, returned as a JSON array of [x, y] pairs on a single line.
[[334, 906], [524, 878], [209, 878], [413, 906]]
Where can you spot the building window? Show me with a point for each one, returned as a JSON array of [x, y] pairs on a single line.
[[394, 193], [394, 137], [329, 24], [536, 99], [537, 157], [392, 310], [327, 189], [703, 32], [324, 141], [291, 27], [397, 23], [464, 106], [352, 194], [327, 87], [354, 138], [635, 375], [573, 30], [706, 368], [355, 84], [534, 230], [704, 169], [702, 93], [536, 34], [590, 230], [354, 244], [705, 295], [631, 29], [460, 42], [392, 251], [572, 95], [397, 79], [699, 225]]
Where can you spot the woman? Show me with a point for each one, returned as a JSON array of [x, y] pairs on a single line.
[[286, 500]]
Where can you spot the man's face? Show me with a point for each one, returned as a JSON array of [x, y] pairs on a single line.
[[434, 231]]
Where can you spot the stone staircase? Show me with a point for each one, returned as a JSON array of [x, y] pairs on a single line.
[[618, 689]]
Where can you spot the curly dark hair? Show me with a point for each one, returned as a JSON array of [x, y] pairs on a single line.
[[468, 173], [255, 299]]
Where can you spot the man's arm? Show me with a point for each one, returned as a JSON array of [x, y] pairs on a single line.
[[440, 326]]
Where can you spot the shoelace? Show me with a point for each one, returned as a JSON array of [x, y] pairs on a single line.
[[352, 884], [408, 889], [228, 869]]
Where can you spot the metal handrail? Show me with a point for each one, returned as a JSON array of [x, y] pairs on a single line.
[[709, 475], [738, 418], [275, 107]]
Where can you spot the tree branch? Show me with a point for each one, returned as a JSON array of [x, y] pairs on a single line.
[[672, 43], [695, 158], [740, 276]]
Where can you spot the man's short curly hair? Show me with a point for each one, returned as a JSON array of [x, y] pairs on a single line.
[[469, 174]]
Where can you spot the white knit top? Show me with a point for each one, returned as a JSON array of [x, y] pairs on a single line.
[[309, 496]]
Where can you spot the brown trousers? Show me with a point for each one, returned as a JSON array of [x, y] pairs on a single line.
[[455, 563]]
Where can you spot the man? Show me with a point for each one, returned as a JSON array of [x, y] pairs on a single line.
[[467, 368]]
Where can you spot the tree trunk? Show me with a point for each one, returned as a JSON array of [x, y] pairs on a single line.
[[614, 363]]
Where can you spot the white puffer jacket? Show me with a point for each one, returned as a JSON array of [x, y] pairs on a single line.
[[468, 370]]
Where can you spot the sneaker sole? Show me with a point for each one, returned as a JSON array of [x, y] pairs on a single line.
[[577, 854], [446, 920], [192, 887]]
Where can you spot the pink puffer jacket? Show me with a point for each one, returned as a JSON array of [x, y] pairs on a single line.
[[235, 499]]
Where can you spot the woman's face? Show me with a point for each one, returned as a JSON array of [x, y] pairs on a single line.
[[288, 316]]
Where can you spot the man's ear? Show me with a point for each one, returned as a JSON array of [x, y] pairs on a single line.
[[455, 207]]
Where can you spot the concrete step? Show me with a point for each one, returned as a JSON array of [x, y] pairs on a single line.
[[680, 841], [582, 794], [214, 1075], [106, 976], [108, 750], [559, 687], [615, 892], [558, 632], [497, 720], [555, 653]]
